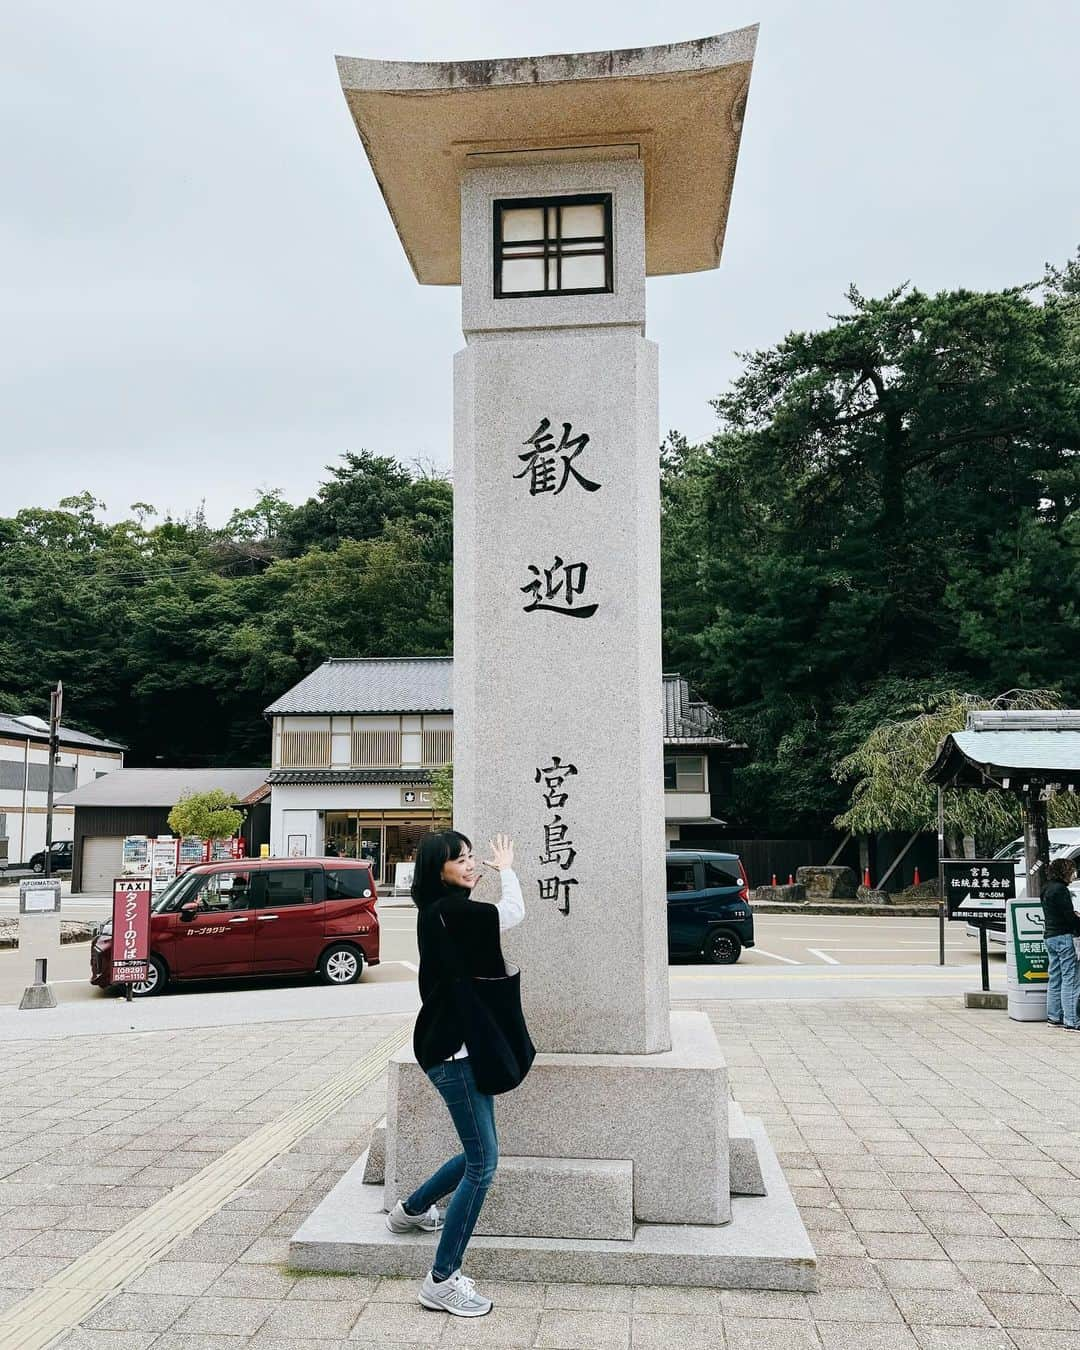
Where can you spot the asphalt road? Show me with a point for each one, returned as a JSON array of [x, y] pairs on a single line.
[[798, 956]]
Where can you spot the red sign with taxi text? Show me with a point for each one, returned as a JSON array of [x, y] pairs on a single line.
[[130, 930]]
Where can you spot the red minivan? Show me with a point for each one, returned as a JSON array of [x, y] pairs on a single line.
[[257, 916]]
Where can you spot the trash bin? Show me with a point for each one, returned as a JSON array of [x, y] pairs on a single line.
[[1026, 961]]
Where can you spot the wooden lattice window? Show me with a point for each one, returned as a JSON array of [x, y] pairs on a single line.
[[305, 749], [376, 749], [437, 747]]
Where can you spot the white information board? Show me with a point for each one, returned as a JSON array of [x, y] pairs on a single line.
[[39, 896]]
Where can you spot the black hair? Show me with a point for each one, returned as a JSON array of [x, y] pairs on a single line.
[[432, 852], [1061, 869]]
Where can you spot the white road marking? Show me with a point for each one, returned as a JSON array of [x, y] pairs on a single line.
[[788, 960], [409, 966], [829, 960]]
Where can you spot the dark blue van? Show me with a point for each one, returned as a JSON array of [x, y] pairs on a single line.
[[708, 906]]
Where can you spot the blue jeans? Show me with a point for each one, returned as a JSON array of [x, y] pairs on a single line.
[[470, 1173], [1063, 980]]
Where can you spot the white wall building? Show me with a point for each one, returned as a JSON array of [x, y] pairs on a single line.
[[24, 776], [355, 743]]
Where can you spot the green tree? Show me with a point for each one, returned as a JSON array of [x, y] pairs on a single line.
[[206, 815], [889, 504], [442, 790], [889, 792]]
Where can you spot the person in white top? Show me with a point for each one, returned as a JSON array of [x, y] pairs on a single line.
[[455, 934]]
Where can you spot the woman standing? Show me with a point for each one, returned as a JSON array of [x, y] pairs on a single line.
[[1062, 925], [455, 934]]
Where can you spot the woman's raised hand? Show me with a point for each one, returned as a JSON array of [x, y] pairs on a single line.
[[502, 852]]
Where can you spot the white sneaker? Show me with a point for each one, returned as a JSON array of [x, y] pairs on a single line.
[[457, 1296], [400, 1222]]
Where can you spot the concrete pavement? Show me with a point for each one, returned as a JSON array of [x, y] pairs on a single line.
[[938, 1174]]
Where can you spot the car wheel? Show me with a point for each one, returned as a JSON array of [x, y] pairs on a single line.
[[341, 964], [39, 868], [722, 948], [157, 977]]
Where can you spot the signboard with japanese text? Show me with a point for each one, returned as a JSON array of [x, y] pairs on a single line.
[[130, 930], [977, 890], [1029, 944]]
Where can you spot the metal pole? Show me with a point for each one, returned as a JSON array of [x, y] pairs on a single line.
[[56, 697], [984, 959], [941, 874]]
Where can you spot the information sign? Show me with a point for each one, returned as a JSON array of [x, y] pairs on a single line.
[[39, 895], [977, 890], [130, 930]]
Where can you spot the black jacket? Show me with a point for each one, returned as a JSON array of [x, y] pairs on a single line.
[[473, 928], [1061, 918]]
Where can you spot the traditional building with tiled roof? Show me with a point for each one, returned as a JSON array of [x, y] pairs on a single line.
[[355, 743]]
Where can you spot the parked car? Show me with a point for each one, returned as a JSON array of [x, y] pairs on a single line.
[[1063, 844], [708, 906], [61, 857], [261, 916]]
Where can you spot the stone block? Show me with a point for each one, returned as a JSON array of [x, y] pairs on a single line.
[[666, 1113], [986, 998], [743, 1163], [37, 996], [560, 1198], [375, 1171], [765, 1246], [791, 895], [828, 883]]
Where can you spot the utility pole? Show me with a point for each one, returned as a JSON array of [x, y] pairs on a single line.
[[56, 708]]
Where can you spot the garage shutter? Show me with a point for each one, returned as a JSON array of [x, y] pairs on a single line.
[[102, 856]]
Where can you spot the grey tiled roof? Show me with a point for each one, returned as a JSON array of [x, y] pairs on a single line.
[[688, 719], [422, 777], [360, 684], [163, 787], [401, 684], [13, 729]]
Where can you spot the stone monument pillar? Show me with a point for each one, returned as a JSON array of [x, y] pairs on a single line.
[[549, 188], [558, 724]]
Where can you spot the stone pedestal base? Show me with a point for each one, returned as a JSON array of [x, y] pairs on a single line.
[[765, 1246], [665, 1113], [613, 1169]]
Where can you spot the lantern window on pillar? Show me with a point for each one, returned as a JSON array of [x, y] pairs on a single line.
[[553, 246]]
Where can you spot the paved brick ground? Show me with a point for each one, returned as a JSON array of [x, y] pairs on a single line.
[[934, 1152]]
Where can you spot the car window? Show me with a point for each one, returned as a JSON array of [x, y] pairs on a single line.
[[680, 877], [224, 890], [722, 873], [287, 886], [347, 883]]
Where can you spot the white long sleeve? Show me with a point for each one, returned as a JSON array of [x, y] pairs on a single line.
[[511, 904]]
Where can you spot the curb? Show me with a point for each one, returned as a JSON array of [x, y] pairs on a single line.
[[857, 910]]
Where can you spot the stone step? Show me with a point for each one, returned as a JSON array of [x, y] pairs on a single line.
[[560, 1198], [744, 1166]]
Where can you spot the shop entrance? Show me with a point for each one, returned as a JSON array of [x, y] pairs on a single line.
[[383, 838]]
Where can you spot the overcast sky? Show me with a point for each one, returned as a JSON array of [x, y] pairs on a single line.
[[202, 293]]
